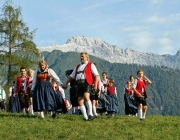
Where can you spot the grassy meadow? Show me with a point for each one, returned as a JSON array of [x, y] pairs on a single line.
[[72, 127]]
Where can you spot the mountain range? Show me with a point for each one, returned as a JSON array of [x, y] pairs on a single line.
[[114, 54]]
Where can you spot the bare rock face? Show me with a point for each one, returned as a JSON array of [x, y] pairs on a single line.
[[114, 54]]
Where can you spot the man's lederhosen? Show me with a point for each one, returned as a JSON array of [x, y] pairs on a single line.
[[82, 87]]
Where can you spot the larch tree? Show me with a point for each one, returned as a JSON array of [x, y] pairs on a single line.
[[16, 43]]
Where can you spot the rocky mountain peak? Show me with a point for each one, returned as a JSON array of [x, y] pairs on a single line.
[[113, 53], [178, 54], [86, 41]]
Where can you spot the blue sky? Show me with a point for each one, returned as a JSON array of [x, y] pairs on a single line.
[[142, 25]]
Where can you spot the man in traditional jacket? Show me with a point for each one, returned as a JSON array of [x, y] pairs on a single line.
[[86, 75], [20, 88]]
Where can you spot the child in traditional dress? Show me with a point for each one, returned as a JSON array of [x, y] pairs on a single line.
[[31, 75], [111, 93], [140, 93], [130, 102], [61, 96], [102, 99], [94, 98], [127, 91]]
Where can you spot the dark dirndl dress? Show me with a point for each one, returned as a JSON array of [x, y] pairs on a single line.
[[131, 106], [44, 96], [113, 103], [14, 104], [102, 103]]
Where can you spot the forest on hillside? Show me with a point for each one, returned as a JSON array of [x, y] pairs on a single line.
[[163, 94]]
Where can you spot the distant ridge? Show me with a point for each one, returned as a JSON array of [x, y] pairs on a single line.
[[114, 54]]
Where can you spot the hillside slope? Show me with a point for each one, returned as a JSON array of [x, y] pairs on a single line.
[[163, 94]]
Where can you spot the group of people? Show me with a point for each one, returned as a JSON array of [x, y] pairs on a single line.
[[38, 91], [42, 90], [135, 95]]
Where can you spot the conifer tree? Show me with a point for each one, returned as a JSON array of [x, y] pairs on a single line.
[[16, 42]]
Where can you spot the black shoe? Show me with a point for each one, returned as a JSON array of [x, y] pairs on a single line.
[[85, 119], [141, 119], [53, 115], [90, 118]]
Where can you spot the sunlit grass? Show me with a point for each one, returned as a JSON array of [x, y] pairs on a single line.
[[16, 126]]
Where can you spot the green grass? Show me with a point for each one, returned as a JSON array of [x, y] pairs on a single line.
[[72, 127]]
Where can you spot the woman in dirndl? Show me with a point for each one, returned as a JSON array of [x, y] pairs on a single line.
[[44, 96], [111, 93]]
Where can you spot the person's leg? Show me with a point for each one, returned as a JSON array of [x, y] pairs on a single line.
[[82, 107], [96, 103], [31, 105], [22, 102], [88, 102], [94, 107], [140, 111], [144, 112], [27, 104]]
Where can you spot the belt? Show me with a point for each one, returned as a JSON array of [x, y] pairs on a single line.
[[80, 72], [81, 81]]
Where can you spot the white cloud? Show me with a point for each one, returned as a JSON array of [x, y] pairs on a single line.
[[165, 41], [101, 4], [165, 46], [156, 1], [161, 20], [175, 17], [156, 19], [141, 41], [142, 44], [132, 28], [48, 41]]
